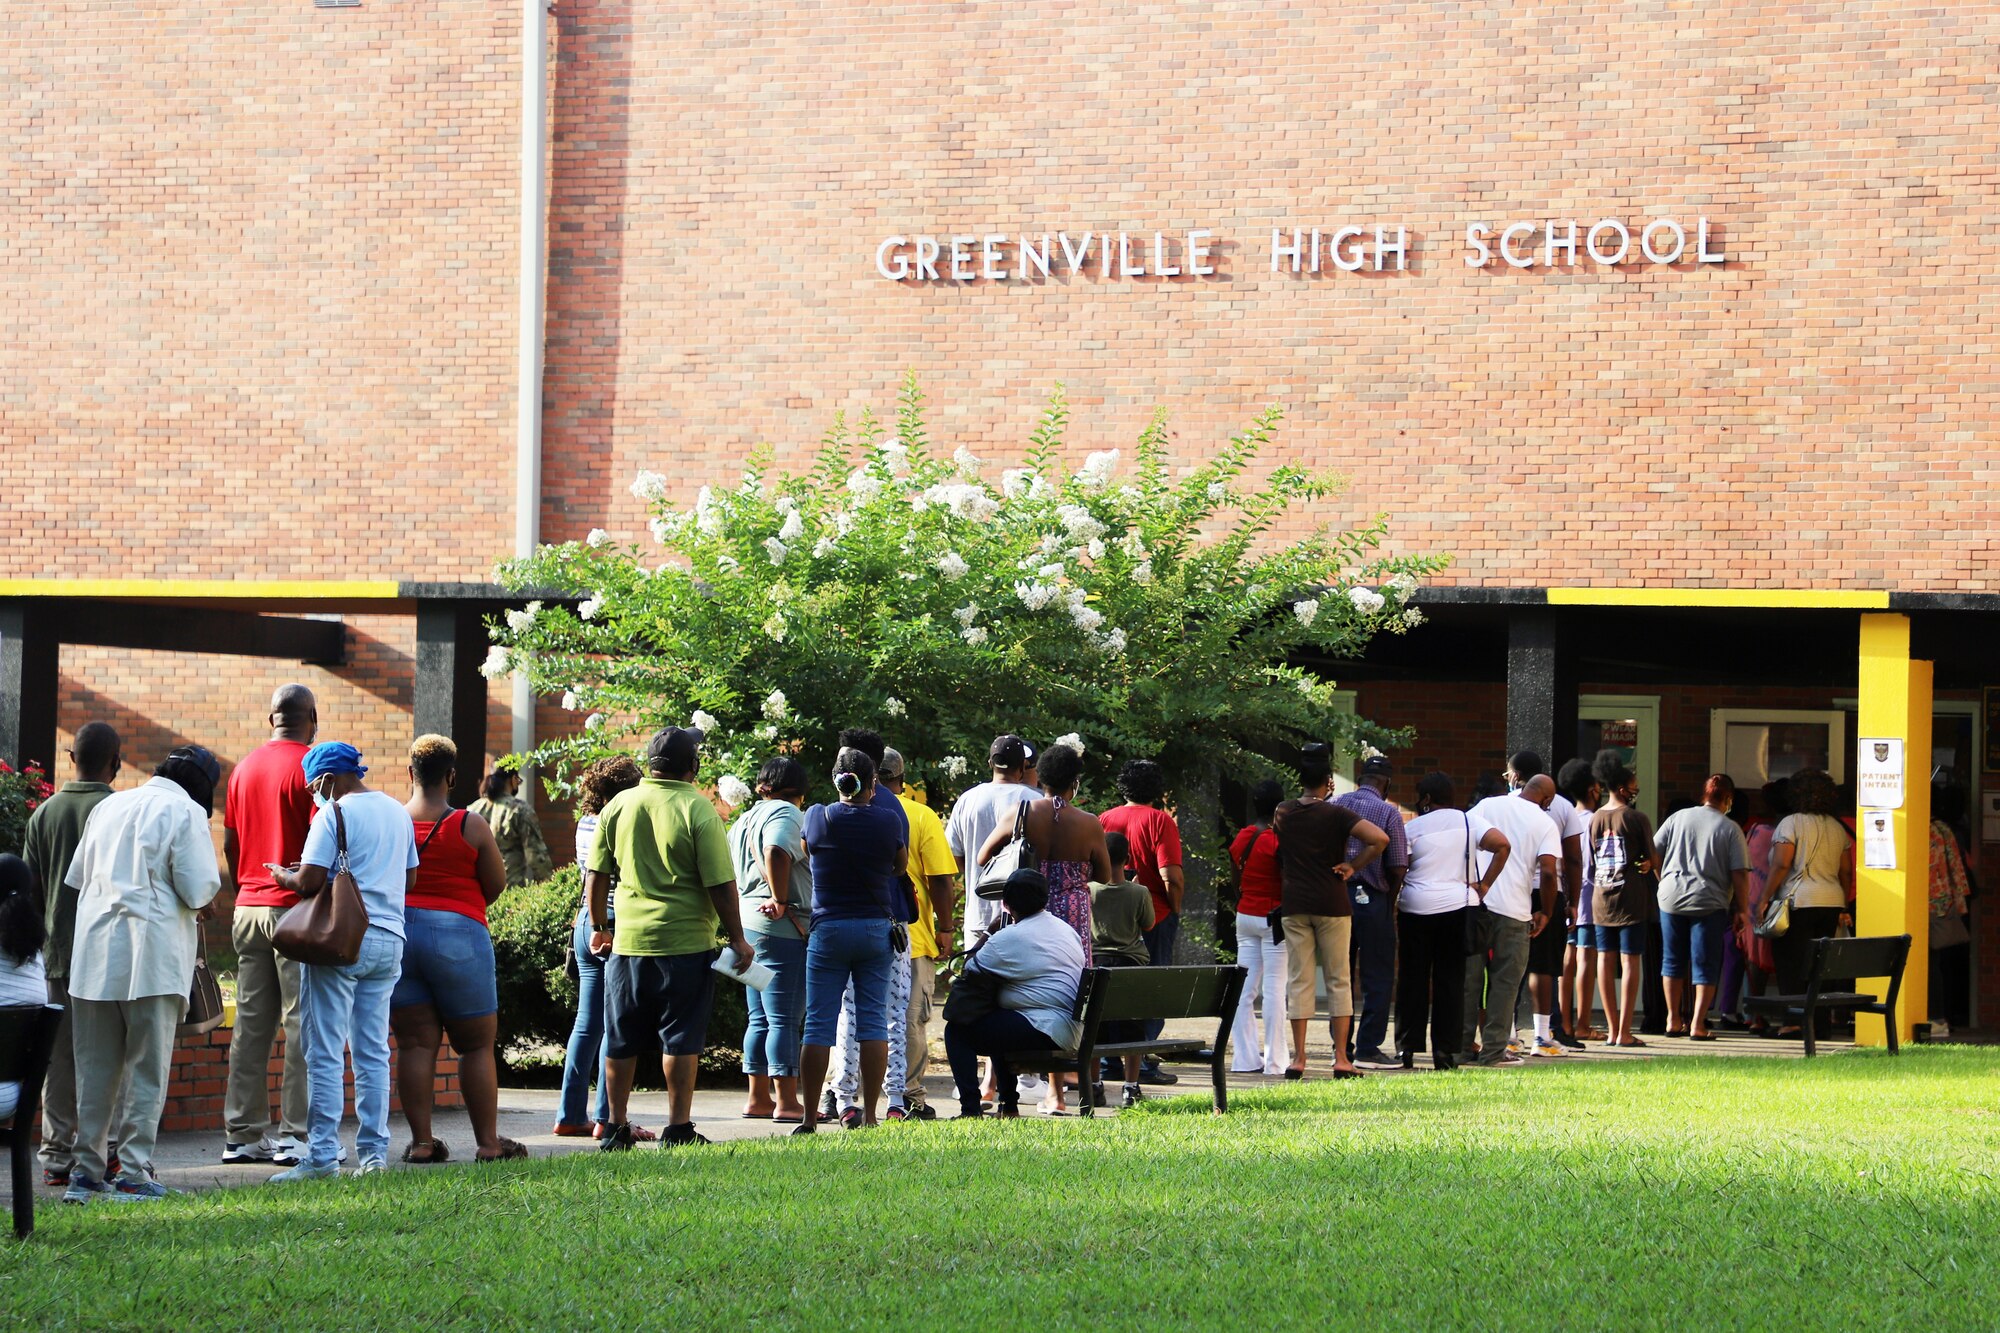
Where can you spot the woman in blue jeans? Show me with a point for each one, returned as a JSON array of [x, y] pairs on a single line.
[[860, 850], [768, 846], [584, 1060], [347, 1008]]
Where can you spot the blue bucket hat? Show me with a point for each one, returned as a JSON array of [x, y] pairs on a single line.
[[332, 757]]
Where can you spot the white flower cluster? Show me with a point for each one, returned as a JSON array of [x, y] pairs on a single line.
[[1016, 482], [663, 528], [973, 634], [1079, 523], [865, 485], [964, 499], [1097, 469], [588, 608], [595, 722], [895, 457], [822, 548], [966, 614], [894, 707], [570, 701], [1134, 546], [1412, 618], [953, 766], [1142, 573], [776, 707], [965, 461], [1306, 610], [765, 731], [708, 516], [522, 619], [649, 486], [598, 538], [1112, 642], [1400, 586], [734, 791], [775, 627], [952, 565], [1052, 570], [1071, 741], [1366, 600], [776, 550], [728, 564], [705, 721], [794, 528], [1217, 492], [1035, 596]]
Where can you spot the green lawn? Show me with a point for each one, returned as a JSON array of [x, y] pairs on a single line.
[[1854, 1191]]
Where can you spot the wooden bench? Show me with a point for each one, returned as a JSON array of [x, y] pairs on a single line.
[[27, 1036], [1142, 994], [1833, 959]]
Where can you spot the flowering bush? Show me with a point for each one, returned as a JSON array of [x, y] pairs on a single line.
[[943, 600], [20, 793]]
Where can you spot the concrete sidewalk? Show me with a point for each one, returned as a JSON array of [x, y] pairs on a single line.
[[194, 1161]]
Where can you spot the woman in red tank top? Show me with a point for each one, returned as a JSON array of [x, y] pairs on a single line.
[[448, 981], [1260, 946]]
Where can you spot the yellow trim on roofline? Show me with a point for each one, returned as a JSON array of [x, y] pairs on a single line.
[[213, 589], [1830, 599]]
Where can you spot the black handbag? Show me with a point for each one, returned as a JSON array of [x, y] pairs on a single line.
[[1016, 855], [974, 995], [1474, 941]]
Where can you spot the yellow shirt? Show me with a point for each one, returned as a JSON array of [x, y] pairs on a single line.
[[928, 856]]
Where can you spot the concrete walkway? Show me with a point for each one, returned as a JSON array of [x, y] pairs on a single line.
[[194, 1161]]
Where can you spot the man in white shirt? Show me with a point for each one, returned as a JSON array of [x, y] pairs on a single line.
[[1545, 951], [977, 813], [1513, 915], [145, 867]]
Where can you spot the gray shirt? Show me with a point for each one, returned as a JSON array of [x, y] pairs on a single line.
[[1041, 961], [1699, 849], [974, 816], [769, 824]]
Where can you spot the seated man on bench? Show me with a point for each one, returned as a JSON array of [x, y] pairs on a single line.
[[1021, 989]]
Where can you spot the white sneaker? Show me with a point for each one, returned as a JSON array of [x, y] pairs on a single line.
[[1030, 1084], [290, 1151], [1548, 1046], [303, 1171], [371, 1166], [265, 1149]]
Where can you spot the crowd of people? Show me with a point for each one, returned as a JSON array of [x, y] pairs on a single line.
[[1551, 890]]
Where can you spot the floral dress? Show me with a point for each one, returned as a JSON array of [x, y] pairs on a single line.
[[1069, 891]]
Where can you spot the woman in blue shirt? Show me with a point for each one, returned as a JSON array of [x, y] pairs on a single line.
[[859, 850]]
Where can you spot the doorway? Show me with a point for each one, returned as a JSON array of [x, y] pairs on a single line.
[[1629, 724]]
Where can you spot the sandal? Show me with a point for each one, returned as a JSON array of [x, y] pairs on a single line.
[[563, 1131], [1347, 1073], [1631, 1041], [782, 1119], [438, 1153], [506, 1150], [1294, 1074]]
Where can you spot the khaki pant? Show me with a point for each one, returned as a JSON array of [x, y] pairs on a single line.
[[1320, 941], [916, 1030], [58, 1152], [132, 1039], [267, 993]]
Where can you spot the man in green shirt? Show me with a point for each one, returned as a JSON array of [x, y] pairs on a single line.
[[676, 882], [54, 831], [522, 848]]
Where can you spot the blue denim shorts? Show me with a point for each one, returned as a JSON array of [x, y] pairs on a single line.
[[840, 950], [1620, 939], [1689, 942], [447, 964]]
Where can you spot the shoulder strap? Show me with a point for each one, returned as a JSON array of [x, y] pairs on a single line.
[[339, 837], [442, 820]]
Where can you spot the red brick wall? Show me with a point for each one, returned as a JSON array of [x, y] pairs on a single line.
[[1811, 412], [257, 288], [196, 1087]]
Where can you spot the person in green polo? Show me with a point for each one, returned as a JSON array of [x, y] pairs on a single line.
[[669, 852], [54, 833]]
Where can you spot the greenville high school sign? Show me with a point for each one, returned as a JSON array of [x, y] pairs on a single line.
[[1351, 248]]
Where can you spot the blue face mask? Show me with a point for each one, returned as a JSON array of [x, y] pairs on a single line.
[[320, 800]]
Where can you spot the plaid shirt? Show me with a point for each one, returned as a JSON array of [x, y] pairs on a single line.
[[1369, 805]]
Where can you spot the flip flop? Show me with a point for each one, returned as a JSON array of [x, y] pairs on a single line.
[[1294, 1074], [1632, 1041], [1701, 1036], [1347, 1073], [785, 1119], [1671, 1033], [752, 1115], [439, 1153], [510, 1150]]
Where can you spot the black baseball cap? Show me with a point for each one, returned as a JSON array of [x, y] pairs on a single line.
[[1377, 766], [1010, 751], [674, 749]]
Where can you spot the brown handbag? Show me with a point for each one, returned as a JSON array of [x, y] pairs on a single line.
[[325, 930], [204, 1003]]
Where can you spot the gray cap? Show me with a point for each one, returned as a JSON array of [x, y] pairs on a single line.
[[892, 764]]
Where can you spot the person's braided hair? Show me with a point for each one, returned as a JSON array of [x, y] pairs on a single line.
[[603, 780]]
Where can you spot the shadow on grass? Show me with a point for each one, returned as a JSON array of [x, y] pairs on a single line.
[[1848, 1191]]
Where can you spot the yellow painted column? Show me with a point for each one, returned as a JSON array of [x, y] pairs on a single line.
[[1895, 703]]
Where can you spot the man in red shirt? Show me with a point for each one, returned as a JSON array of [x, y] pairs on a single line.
[[264, 820], [1155, 841]]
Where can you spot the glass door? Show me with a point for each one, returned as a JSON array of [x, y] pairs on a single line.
[[1759, 745], [1629, 724]]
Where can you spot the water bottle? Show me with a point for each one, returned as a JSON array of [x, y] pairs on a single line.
[[1360, 896]]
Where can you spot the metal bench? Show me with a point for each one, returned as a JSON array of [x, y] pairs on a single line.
[[1139, 994], [27, 1036], [1867, 956]]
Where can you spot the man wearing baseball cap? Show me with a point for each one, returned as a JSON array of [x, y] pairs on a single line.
[[676, 883], [145, 866], [1374, 897], [978, 812]]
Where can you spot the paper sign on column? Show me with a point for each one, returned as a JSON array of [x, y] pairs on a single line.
[[1878, 840], [1878, 774]]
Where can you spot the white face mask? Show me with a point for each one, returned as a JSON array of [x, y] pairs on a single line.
[[320, 798]]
